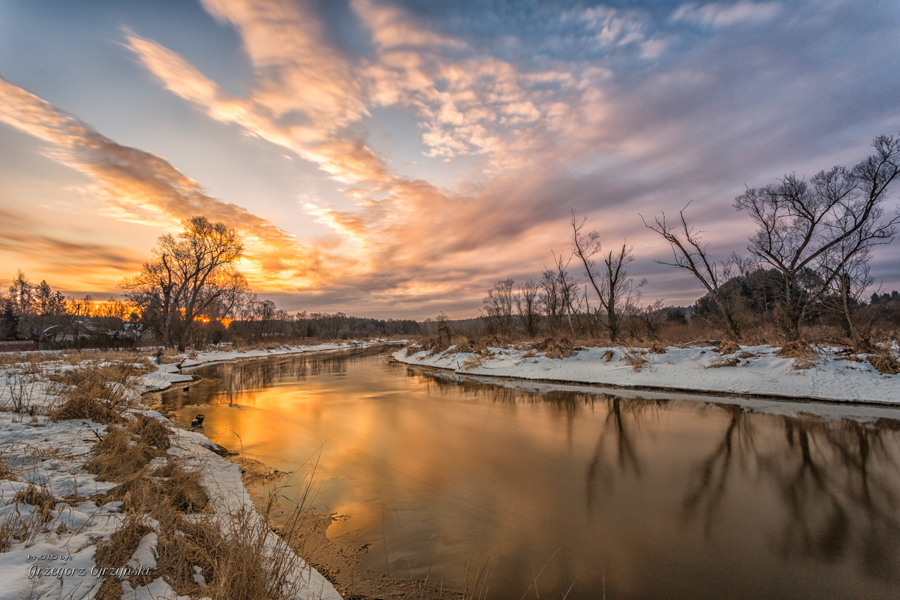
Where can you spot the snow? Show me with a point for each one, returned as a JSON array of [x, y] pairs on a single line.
[[56, 557], [167, 374], [760, 372]]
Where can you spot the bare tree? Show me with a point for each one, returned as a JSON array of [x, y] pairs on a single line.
[[802, 223], [550, 299], [650, 317], [527, 306], [566, 288], [335, 323], [848, 288], [690, 255], [498, 306], [616, 291], [189, 275]]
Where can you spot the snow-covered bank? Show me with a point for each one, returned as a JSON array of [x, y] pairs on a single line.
[[53, 513], [168, 374], [749, 370]]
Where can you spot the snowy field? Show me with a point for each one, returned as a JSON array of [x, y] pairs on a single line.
[[52, 516], [756, 371]]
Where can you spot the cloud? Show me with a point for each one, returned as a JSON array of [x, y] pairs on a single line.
[[723, 14], [144, 188], [19, 231], [611, 114], [305, 95]]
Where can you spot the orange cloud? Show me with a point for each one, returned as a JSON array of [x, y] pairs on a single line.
[[144, 188], [305, 94]]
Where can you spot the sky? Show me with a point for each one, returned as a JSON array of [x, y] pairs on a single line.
[[395, 158]]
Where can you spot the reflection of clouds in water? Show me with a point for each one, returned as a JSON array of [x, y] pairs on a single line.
[[522, 466]]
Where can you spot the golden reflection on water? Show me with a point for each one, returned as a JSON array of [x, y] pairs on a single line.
[[667, 498]]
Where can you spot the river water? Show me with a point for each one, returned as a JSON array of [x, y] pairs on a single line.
[[515, 489]]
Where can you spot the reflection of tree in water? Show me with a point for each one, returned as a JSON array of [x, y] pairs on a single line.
[[707, 487], [837, 480], [242, 380], [605, 464], [840, 489]]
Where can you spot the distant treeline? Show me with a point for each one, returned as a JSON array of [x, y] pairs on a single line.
[[38, 313]]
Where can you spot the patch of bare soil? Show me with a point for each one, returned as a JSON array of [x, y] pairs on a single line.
[[339, 563]]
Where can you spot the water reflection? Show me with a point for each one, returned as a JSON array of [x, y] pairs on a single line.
[[646, 495]]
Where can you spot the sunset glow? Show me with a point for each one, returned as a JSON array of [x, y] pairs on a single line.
[[393, 158]]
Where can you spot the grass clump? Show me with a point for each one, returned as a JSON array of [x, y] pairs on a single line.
[[101, 392], [230, 554], [41, 498], [884, 363], [117, 551], [635, 358], [728, 347], [123, 452], [180, 487], [553, 348], [724, 362], [803, 354], [110, 589], [658, 347]]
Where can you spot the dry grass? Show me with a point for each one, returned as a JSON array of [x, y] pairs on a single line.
[[20, 383], [798, 349], [609, 355], [884, 363], [123, 456], [728, 347], [553, 348], [117, 551], [120, 455], [101, 392], [5, 471], [230, 554], [110, 589], [19, 528], [658, 347], [41, 498], [181, 489], [804, 355], [12, 529], [724, 362], [635, 358]]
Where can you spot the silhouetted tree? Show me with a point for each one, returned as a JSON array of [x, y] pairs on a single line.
[[824, 224], [616, 291]]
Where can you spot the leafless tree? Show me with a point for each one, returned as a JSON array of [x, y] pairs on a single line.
[[189, 275], [801, 224], [848, 289], [335, 323], [498, 306], [690, 255], [550, 301], [559, 295], [616, 291], [650, 317], [527, 306]]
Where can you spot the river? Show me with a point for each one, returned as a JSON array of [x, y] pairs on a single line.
[[518, 490]]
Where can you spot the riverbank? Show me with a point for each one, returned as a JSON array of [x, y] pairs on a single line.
[[305, 531], [100, 497], [167, 374], [799, 373]]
